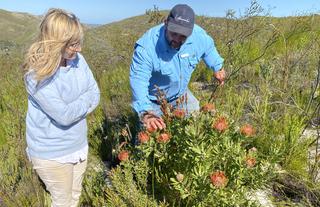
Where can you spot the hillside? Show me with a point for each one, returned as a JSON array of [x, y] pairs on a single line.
[[16, 28], [267, 103]]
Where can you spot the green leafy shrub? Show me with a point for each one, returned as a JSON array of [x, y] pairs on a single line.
[[205, 159]]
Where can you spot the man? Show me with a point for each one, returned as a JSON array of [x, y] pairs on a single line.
[[164, 58]]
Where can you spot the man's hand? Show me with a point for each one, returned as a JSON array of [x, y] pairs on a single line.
[[152, 121], [220, 76]]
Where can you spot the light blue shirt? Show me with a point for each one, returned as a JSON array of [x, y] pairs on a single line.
[[57, 109], [155, 63]]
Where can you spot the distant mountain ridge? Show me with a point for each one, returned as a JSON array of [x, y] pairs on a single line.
[[111, 41], [17, 27]]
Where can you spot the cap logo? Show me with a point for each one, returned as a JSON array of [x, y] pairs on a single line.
[[181, 19]]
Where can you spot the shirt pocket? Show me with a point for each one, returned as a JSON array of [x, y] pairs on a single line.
[[164, 68], [192, 62]]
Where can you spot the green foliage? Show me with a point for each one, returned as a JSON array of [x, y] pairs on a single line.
[[94, 185], [155, 15], [272, 66], [128, 186], [125, 190], [114, 86], [195, 151], [17, 27]]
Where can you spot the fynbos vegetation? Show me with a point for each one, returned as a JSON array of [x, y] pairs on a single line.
[[260, 131]]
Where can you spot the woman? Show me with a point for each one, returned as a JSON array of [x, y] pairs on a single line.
[[61, 93]]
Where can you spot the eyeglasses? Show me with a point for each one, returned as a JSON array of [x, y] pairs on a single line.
[[74, 46]]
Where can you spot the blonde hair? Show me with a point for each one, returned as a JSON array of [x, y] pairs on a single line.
[[58, 29]]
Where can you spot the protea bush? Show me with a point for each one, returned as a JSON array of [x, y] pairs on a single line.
[[204, 159]]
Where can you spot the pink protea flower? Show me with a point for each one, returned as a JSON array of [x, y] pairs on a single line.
[[179, 113], [143, 137], [220, 124], [219, 179], [123, 155], [250, 162], [247, 130], [253, 150], [163, 138], [209, 107], [180, 177]]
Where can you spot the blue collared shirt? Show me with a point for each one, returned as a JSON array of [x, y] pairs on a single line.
[[155, 65]]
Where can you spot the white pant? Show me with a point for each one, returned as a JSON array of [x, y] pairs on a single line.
[[63, 181]]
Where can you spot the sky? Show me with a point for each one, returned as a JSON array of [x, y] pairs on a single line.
[[106, 11]]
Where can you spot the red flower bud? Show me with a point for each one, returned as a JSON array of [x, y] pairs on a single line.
[[209, 107], [143, 137], [163, 138], [220, 124], [247, 130], [179, 113], [123, 155], [219, 179], [250, 162]]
